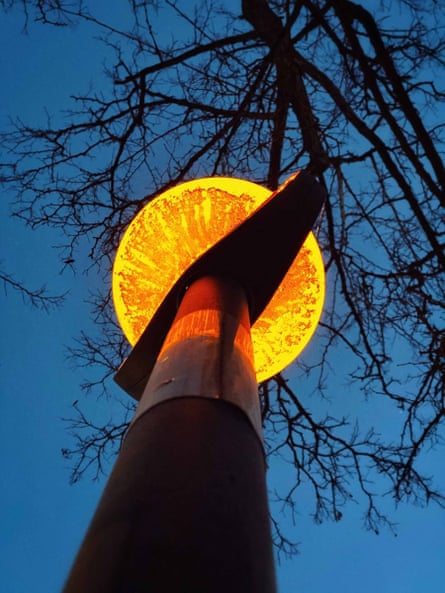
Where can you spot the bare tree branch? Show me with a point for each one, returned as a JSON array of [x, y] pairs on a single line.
[[275, 87]]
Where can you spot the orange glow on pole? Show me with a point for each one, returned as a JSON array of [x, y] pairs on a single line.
[[181, 224]]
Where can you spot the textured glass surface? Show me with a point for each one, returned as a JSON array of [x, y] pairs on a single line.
[[171, 231]]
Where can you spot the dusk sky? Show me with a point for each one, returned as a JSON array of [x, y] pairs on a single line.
[[43, 517]]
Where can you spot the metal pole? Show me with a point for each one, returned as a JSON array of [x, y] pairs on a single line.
[[185, 509]]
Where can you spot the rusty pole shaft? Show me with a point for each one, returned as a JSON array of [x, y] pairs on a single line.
[[185, 509]]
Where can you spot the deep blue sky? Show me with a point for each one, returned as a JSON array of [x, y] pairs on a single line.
[[43, 518]]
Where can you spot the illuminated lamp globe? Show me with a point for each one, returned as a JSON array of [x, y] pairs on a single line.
[[177, 227]]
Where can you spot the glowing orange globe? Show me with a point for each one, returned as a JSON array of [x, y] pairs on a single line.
[[176, 228]]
